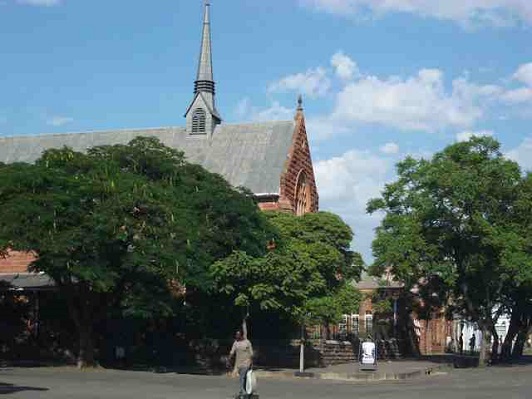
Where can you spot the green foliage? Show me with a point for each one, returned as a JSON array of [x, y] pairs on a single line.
[[451, 225], [330, 309], [112, 227], [307, 273]]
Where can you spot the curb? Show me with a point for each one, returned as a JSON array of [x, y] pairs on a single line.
[[354, 377]]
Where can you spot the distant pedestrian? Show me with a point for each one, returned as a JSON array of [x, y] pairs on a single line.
[[461, 344], [243, 353], [472, 344]]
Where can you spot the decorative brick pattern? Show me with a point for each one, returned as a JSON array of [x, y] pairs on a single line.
[[299, 159]]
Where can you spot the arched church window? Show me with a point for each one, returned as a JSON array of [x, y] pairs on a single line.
[[198, 121], [302, 194]]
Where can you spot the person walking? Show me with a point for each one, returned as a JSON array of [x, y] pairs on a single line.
[[242, 350], [472, 345]]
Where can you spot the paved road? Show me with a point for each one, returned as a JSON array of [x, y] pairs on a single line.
[[62, 383]]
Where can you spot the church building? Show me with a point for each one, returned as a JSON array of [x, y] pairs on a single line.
[[272, 159]]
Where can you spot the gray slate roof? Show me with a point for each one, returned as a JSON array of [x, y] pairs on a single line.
[[368, 282], [250, 155]]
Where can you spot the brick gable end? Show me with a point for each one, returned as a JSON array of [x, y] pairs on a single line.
[[299, 160]]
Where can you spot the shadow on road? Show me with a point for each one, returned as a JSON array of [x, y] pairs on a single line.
[[6, 389]]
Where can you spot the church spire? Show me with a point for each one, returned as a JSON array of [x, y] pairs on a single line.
[[204, 79], [202, 116]]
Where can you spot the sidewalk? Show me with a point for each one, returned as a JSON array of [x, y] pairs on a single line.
[[387, 370]]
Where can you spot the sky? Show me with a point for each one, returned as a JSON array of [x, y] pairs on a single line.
[[380, 79]]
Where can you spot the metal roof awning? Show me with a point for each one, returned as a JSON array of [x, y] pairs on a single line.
[[25, 282]]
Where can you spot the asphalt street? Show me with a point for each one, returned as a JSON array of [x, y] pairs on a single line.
[[62, 383]]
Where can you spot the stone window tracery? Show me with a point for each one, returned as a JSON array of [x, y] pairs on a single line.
[[302, 195]]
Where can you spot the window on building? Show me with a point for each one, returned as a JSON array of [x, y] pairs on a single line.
[[302, 195], [355, 329], [342, 327], [198, 121], [369, 323]]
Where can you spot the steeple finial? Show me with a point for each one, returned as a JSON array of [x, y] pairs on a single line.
[[300, 103]]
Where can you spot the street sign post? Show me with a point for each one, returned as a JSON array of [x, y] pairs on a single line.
[[367, 356]]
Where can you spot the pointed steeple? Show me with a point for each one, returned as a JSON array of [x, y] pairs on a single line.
[[204, 78], [202, 116]]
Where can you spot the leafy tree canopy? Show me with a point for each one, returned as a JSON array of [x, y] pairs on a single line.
[[115, 225], [448, 220], [307, 273]]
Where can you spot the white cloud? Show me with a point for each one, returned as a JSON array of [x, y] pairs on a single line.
[[419, 102], [466, 135], [354, 176], [523, 154], [346, 183], [59, 120], [517, 96], [521, 94], [247, 112], [325, 126], [40, 3], [465, 12], [389, 148], [344, 67], [524, 74], [313, 83]]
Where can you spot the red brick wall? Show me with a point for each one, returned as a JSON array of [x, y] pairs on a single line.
[[434, 334], [279, 205], [16, 262], [299, 159]]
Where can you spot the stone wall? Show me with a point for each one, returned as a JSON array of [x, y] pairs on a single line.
[[336, 352]]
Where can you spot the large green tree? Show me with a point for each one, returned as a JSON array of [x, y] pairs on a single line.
[[306, 277], [513, 242], [120, 226], [445, 220]]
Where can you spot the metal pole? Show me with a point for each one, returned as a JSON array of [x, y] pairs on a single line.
[[395, 317], [302, 350]]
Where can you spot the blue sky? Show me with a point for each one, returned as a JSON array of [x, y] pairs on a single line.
[[380, 79]]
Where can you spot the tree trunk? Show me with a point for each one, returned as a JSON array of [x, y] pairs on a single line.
[[484, 347], [513, 330], [519, 345], [81, 311], [86, 347], [495, 346]]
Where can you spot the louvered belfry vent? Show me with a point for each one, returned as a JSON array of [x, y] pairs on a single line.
[[198, 121]]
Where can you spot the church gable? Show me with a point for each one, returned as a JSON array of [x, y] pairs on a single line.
[[299, 192]]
